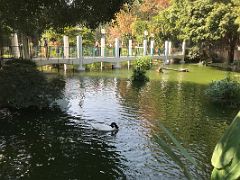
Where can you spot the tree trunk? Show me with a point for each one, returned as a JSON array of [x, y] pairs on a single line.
[[231, 54], [25, 47], [232, 45], [1, 44]]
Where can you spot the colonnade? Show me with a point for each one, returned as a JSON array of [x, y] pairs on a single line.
[[117, 46]]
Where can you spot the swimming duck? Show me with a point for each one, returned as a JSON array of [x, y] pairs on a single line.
[[107, 128]]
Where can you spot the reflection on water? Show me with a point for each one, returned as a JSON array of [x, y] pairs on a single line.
[[60, 144]]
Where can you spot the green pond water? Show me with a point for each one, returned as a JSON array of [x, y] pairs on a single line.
[[61, 144]]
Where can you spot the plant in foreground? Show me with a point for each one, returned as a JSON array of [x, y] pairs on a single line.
[[23, 86]]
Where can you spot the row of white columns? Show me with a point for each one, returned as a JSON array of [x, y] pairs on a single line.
[[167, 51]]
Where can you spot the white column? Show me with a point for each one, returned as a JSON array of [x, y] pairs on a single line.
[[152, 47], [80, 53], [166, 52], [169, 47], [102, 49], [116, 47], [183, 51], [170, 51], [129, 50], [15, 46], [130, 47], [103, 46], [65, 49], [117, 64], [145, 47]]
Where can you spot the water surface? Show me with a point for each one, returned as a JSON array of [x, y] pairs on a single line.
[[60, 144]]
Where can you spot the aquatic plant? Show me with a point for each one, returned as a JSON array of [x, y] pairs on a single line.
[[144, 62], [139, 72], [23, 86], [226, 91]]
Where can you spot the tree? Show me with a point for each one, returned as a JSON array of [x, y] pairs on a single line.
[[32, 17], [138, 28], [164, 25], [71, 32], [121, 26], [204, 23], [222, 27], [150, 8], [237, 11], [134, 18]]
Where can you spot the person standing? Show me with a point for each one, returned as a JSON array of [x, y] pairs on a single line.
[[45, 45], [96, 48], [120, 49]]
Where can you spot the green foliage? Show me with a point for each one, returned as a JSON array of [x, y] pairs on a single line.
[[23, 86], [33, 17], [224, 91], [138, 28], [196, 28], [165, 24], [93, 66], [194, 55], [203, 23], [143, 63], [71, 32], [237, 11], [139, 72], [225, 158]]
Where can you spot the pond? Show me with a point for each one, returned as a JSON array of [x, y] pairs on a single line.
[[61, 144]]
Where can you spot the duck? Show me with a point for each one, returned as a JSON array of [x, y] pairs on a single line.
[[106, 128]]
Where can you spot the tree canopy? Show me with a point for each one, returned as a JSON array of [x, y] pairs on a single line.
[[134, 18], [205, 23], [34, 16]]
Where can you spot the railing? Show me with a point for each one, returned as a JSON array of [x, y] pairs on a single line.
[[53, 51], [71, 51]]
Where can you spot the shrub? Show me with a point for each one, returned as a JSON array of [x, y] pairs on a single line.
[[224, 91], [143, 63], [23, 86], [194, 55], [139, 72]]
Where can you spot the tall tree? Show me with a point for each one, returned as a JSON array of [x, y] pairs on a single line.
[[122, 25], [222, 27], [205, 23], [134, 18]]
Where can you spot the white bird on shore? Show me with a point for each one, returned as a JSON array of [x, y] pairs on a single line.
[[106, 128]]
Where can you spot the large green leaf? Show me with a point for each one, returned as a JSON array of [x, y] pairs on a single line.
[[178, 145], [167, 149], [226, 156]]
